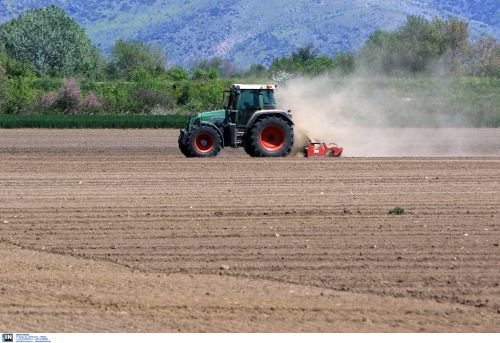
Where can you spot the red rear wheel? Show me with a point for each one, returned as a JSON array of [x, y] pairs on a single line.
[[272, 137], [204, 142]]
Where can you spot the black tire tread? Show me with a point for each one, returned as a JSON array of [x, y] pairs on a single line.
[[183, 147]]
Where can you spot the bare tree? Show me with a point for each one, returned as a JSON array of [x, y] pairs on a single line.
[[484, 57]]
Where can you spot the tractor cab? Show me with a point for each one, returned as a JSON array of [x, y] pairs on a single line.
[[242, 101]]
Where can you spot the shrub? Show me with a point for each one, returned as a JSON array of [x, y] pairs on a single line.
[[18, 95], [116, 96], [177, 74], [204, 95], [147, 99], [68, 99], [46, 102], [90, 104], [396, 211]]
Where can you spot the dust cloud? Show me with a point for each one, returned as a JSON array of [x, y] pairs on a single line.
[[369, 118]]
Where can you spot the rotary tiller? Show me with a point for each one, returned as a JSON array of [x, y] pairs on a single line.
[[319, 149]]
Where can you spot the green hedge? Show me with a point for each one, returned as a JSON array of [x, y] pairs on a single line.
[[61, 121]]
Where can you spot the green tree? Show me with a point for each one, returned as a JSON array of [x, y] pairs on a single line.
[[298, 61], [375, 52], [416, 44], [205, 74], [132, 59], [256, 70], [305, 54], [3, 80], [345, 62], [411, 48], [457, 35], [306, 60], [3, 75], [457, 39], [317, 65], [50, 42], [3, 55], [224, 67]]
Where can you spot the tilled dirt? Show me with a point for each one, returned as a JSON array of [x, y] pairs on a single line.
[[114, 230]]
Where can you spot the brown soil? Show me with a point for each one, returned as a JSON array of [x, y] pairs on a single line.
[[112, 230]]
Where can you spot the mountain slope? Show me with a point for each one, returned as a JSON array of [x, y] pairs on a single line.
[[254, 32]]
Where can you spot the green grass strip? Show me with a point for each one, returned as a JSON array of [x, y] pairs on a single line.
[[62, 121]]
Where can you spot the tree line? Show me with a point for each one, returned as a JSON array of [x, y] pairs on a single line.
[[49, 65]]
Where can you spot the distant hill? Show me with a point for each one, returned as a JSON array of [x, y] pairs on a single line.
[[254, 31]]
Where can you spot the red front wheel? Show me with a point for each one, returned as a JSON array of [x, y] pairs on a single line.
[[203, 141]]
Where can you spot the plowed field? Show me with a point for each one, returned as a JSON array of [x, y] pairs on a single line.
[[114, 230]]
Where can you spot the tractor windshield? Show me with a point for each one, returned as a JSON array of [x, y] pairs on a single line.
[[269, 101], [250, 99]]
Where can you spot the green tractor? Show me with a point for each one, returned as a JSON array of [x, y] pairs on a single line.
[[249, 119]]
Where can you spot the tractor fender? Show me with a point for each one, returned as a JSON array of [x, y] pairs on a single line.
[[204, 123], [268, 113]]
